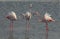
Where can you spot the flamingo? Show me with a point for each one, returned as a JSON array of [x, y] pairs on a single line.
[[46, 19], [27, 16], [12, 17]]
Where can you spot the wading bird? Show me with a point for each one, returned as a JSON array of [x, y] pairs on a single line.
[[46, 19], [27, 16], [12, 17]]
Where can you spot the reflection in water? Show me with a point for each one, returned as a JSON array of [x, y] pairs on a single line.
[[11, 35], [26, 35]]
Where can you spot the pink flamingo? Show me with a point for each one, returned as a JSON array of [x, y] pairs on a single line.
[[12, 17], [27, 16], [47, 18]]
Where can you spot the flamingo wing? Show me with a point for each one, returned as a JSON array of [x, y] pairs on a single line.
[[12, 16]]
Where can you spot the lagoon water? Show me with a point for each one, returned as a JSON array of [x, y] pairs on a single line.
[[37, 29]]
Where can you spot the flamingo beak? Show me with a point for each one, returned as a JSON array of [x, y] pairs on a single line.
[[7, 17]]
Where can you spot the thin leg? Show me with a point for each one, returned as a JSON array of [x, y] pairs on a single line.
[[46, 30], [11, 26], [28, 26], [27, 30], [11, 31]]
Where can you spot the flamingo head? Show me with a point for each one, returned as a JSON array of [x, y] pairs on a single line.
[[30, 5]]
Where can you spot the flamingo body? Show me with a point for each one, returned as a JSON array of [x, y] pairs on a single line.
[[47, 18], [27, 15], [11, 16]]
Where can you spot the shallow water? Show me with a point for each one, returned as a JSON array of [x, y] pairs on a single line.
[[37, 30]]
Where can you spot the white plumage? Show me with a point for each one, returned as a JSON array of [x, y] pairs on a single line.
[[48, 17], [27, 15], [11, 16]]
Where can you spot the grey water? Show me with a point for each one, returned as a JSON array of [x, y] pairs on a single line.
[[37, 29]]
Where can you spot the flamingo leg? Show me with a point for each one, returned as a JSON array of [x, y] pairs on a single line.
[[11, 26], [27, 30], [11, 31], [46, 30]]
